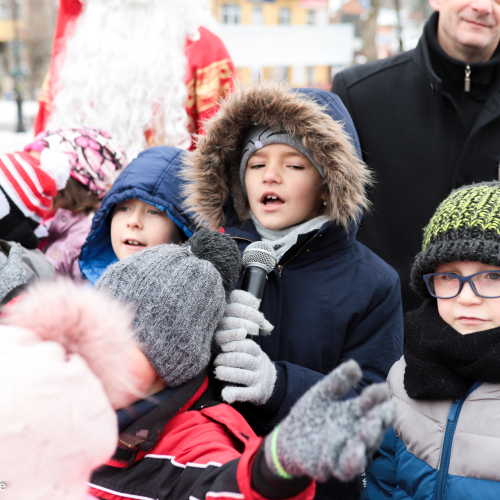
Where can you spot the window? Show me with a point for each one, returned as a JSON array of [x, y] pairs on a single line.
[[5, 13], [311, 17], [257, 16], [279, 73], [310, 75], [285, 16], [231, 14], [299, 75], [256, 72]]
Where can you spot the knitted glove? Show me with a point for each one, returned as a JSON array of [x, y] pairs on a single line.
[[12, 273], [242, 361], [242, 311], [323, 437]]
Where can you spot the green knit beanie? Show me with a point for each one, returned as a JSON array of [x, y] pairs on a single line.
[[465, 226]]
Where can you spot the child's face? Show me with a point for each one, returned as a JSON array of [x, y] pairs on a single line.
[[284, 188], [144, 375], [467, 312], [137, 225]]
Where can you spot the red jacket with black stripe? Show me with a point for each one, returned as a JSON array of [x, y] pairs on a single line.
[[206, 451]]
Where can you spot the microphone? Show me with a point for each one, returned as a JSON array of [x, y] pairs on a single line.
[[259, 259]]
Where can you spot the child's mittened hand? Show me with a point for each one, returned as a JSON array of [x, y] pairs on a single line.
[[242, 311], [323, 437], [242, 361]]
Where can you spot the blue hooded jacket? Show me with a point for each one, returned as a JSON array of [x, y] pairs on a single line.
[[329, 298], [152, 177]]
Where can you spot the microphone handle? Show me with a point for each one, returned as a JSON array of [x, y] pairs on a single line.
[[254, 280]]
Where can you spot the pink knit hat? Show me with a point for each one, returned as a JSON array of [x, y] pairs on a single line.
[[62, 369], [94, 157]]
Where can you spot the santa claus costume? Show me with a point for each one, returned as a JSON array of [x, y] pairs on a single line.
[[147, 71]]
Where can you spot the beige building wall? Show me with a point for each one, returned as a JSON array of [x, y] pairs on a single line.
[[314, 76]]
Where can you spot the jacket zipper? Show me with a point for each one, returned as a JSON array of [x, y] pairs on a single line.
[[280, 267], [467, 79], [456, 408], [124, 443]]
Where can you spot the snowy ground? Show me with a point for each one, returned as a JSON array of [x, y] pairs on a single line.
[[9, 139]]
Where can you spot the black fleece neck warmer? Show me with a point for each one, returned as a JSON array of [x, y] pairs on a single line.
[[440, 362]]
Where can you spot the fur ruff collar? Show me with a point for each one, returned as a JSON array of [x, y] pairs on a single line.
[[211, 171]]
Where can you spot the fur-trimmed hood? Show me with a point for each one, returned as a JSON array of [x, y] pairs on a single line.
[[212, 171]]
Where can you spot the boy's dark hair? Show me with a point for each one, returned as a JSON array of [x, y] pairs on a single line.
[[77, 198]]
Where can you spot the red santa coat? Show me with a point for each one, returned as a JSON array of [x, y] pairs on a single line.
[[209, 72]]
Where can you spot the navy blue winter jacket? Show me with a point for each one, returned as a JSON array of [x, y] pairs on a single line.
[[152, 177], [330, 299]]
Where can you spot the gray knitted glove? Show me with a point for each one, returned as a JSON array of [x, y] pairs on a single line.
[[242, 311], [242, 361], [12, 273], [323, 437]]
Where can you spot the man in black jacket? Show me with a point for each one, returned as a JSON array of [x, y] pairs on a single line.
[[428, 122]]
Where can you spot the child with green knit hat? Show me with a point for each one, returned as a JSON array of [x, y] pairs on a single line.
[[447, 385]]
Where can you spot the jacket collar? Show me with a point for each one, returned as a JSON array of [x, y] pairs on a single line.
[[423, 60], [332, 238], [143, 431]]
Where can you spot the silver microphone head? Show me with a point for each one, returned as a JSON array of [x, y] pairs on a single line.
[[261, 254]]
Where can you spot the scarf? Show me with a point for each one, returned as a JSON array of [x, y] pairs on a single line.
[[283, 239], [442, 363]]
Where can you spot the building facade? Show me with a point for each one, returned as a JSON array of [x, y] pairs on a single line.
[[281, 23]]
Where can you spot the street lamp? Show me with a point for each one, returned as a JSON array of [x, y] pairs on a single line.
[[17, 74]]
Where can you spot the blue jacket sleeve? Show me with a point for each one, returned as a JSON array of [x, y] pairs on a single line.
[[375, 339], [380, 481]]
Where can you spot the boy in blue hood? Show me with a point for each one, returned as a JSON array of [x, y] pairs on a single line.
[[140, 211], [283, 166]]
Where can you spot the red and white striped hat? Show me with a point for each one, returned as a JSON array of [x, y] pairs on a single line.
[[26, 184]]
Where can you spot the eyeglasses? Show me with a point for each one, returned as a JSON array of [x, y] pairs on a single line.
[[449, 285]]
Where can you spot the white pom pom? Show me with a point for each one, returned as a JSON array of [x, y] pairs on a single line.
[[57, 165]]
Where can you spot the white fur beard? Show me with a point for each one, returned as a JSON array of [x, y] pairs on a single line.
[[124, 70]]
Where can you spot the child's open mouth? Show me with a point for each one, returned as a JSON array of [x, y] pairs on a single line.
[[134, 243], [271, 200]]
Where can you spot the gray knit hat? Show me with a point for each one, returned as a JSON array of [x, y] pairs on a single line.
[[465, 226], [262, 135], [179, 295]]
